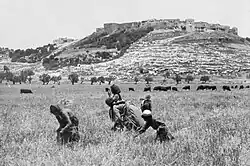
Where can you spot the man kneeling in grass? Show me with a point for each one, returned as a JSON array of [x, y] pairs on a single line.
[[68, 129], [161, 129]]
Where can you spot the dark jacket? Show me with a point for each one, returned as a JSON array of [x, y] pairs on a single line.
[[155, 124]]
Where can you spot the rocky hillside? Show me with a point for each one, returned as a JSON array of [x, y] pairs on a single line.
[[139, 51], [213, 53]]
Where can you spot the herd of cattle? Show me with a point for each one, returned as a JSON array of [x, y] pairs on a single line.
[[171, 88], [188, 87]]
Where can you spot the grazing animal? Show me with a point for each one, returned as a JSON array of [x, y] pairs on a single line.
[[174, 89], [107, 89], [224, 87], [168, 88], [131, 89], [162, 88], [200, 87], [147, 89], [186, 87], [157, 88], [247, 86], [25, 91], [236, 86], [165, 88], [241, 87], [213, 87]]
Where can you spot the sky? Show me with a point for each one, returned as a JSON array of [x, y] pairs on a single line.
[[33, 23]]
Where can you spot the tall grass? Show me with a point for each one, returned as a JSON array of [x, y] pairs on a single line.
[[211, 128]]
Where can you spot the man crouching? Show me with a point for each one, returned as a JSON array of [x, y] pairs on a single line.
[[68, 129], [162, 132]]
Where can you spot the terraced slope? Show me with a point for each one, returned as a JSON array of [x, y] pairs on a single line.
[[156, 51], [199, 53]]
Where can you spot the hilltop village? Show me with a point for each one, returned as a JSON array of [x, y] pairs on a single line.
[[188, 25]]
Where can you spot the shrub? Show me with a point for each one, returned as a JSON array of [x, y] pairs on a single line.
[[148, 79], [110, 79], [93, 80], [45, 78], [74, 78], [177, 78], [204, 79], [101, 80], [189, 78], [136, 79]]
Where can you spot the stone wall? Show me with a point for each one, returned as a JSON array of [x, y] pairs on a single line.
[[188, 25]]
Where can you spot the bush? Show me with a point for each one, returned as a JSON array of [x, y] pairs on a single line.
[[34, 55], [74, 78], [204, 79], [177, 78], [136, 79], [45, 78], [25, 74], [110, 79], [101, 80], [189, 78], [148, 79], [93, 80], [56, 79]]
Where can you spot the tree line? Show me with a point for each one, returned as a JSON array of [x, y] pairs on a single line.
[[22, 77], [26, 76]]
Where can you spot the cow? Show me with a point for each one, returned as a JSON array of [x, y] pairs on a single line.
[[131, 89], [213, 87], [247, 86], [186, 87], [224, 87], [157, 88], [107, 89], [200, 87], [25, 91], [174, 89], [147, 89], [207, 87], [241, 87], [236, 86], [168, 88]]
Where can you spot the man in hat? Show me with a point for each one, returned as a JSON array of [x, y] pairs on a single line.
[[68, 129], [161, 130], [146, 103]]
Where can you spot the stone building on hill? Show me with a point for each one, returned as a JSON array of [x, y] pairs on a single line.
[[188, 25]]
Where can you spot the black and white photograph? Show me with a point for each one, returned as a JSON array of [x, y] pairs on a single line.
[[125, 83]]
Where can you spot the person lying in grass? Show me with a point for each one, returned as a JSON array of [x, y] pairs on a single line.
[[68, 129], [162, 132]]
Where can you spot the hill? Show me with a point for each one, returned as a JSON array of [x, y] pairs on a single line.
[[154, 46], [161, 50]]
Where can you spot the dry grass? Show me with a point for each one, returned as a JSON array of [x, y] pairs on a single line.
[[211, 128]]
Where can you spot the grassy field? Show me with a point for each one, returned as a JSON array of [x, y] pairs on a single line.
[[211, 128]]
